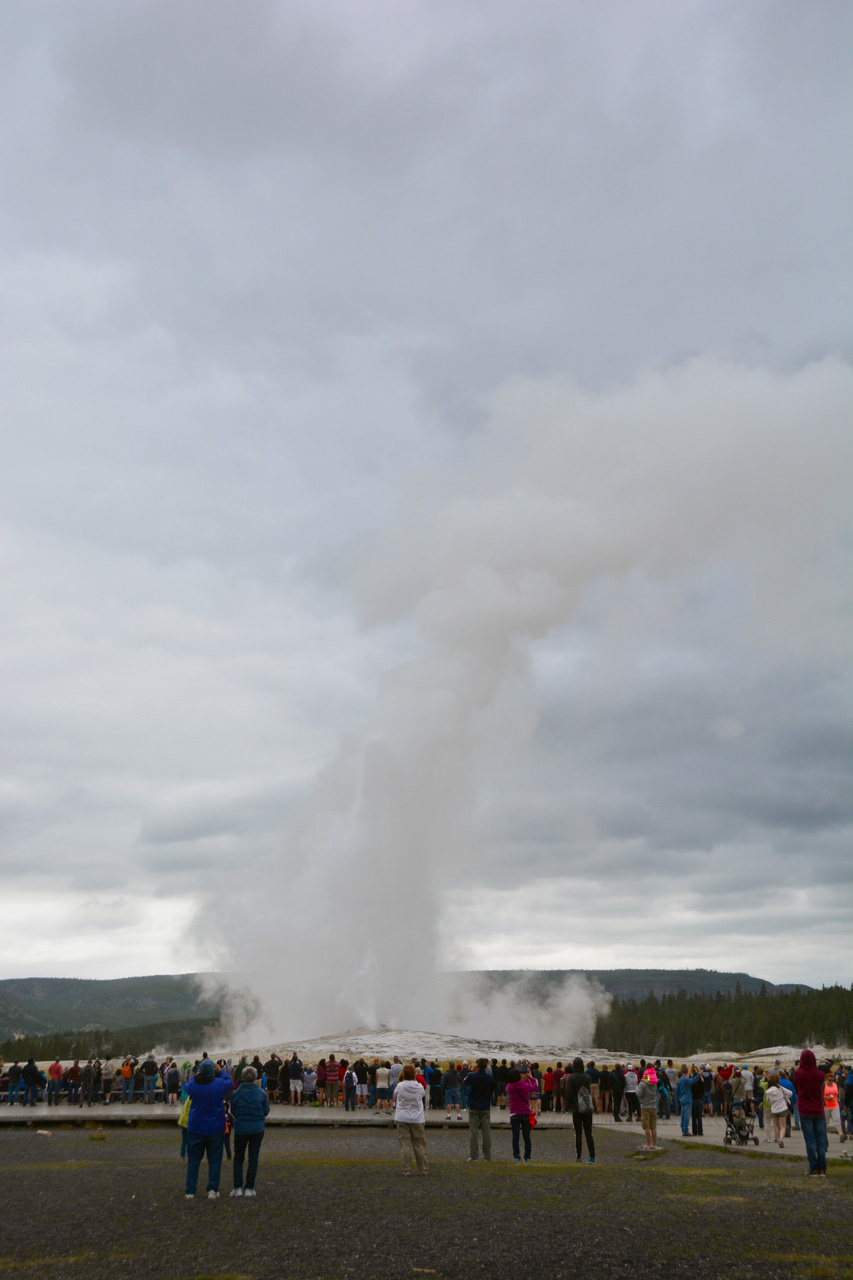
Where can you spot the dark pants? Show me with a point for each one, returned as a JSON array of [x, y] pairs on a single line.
[[241, 1142], [696, 1116], [520, 1124], [618, 1095], [199, 1145], [633, 1105], [349, 1097], [582, 1121]]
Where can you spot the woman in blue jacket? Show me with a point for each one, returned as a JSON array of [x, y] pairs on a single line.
[[250, 1106], [206, 1126]]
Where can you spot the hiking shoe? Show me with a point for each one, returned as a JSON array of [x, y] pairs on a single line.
[[238, 1191]]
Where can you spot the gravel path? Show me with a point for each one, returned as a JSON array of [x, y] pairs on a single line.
[[331, 1204]]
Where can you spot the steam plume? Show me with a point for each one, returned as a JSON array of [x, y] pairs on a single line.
[[562, 489]]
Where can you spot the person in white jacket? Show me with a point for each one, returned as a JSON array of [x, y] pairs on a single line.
[[778, 1098], [409, 1097]]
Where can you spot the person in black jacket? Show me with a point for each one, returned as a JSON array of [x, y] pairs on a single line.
[[31, 1077], [617, 1087], [578, 1094]]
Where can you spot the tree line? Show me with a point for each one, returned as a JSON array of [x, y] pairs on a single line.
[[181, 1036], [685, 1024]]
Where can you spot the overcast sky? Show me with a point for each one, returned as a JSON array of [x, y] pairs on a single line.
[[331, 326]]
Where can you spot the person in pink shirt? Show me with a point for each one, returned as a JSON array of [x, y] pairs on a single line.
[[519, 1087]]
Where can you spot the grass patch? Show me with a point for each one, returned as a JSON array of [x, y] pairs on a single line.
[[815, 1266]]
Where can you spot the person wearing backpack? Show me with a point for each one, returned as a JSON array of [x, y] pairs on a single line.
[[578, 1093], [350, 1086]]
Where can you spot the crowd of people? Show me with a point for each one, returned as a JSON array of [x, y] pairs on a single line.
[[218, 1098]]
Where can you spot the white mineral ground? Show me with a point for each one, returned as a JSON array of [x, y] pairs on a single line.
[[384, 1043]]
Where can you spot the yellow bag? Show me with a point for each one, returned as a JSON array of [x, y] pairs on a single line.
[[184, 1117]]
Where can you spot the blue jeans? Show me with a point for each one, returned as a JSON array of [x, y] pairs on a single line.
[[14, 1090], [199, 1144], [127, 1090], [149, 1087], [241, 1142], [814, 1132], [31, 1094], [349, 1097], [53, 1092], [686, 1109], [73, 1092], [520, 1124]]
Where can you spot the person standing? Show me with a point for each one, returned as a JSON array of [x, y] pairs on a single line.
[[350, 1086], [150, 1073], [684, 1095], [647, 1096], [104, 1078], [54, 1081], [559, 1077], [519, 1088], [72, 1080], [333, 1081], [294, 1070], [383, 1088], [127, 1080], [777, 1099], [480, 1084], [631, 1082], [14, 1082], [810, 1086], [206, 1126], [697, 1105], [450, 1084], [579, 1101], [250, 1107], [362, 1088], [408, 1101], [271, 1070], [617, 1085], [31, 1077]]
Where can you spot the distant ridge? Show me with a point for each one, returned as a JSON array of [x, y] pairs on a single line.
[[39, 1006], [638, 983]]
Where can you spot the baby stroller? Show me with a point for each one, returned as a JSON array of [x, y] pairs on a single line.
[[739, 1127]]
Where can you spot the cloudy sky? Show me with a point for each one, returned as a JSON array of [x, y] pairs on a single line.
[[431, 407]]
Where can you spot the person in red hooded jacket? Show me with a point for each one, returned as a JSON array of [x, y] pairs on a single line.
[[808, 1082]]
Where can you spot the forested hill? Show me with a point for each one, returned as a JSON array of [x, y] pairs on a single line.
[[638, 983], [38, 1006], [683, 1024]]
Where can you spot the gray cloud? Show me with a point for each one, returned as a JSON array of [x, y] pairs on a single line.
[[291, 294]]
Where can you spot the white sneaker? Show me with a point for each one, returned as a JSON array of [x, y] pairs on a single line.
[[213, 1195], [188, 1196], [250, 1191], [238, 1191]]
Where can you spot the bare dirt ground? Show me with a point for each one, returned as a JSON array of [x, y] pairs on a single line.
[[331, 1204]]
